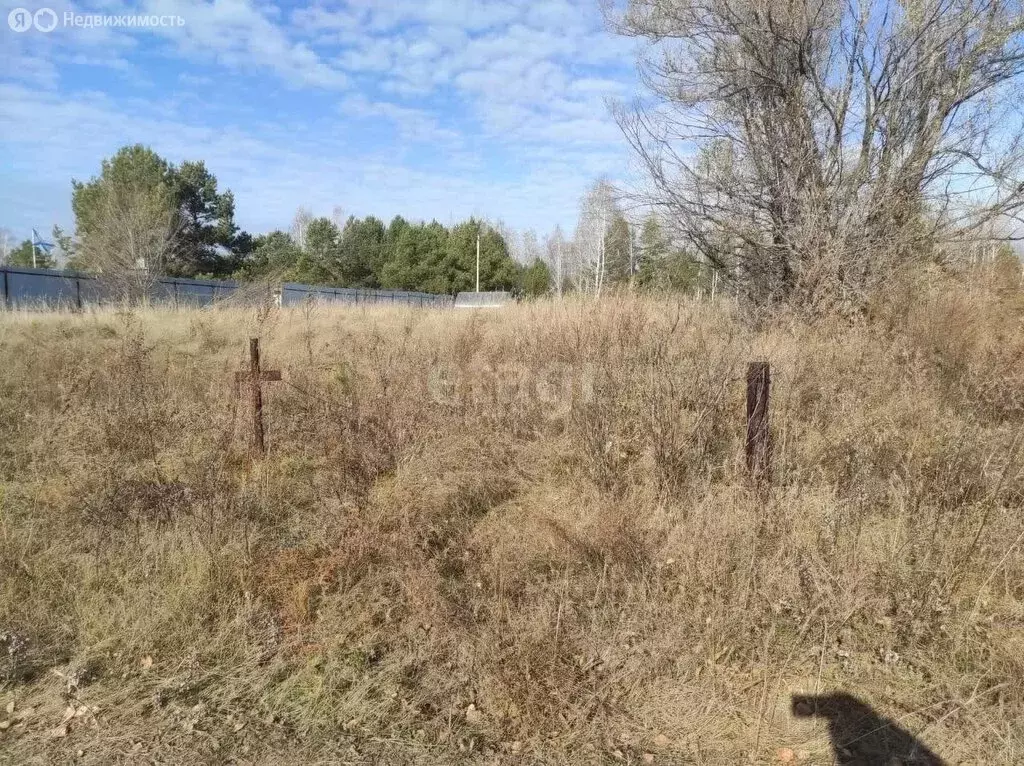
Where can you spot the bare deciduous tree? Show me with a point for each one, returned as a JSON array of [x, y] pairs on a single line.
[[808, 148], [6, 238], [134, 239], [557, 251], [598, 208], [531, 249], [300, 224]]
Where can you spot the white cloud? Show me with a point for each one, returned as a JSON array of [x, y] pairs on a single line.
[[235, 33], [241, 35], [27, 68], [270, 178], [413, 124], [507, 98]]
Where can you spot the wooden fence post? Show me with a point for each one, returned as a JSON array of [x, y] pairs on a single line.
[[259, 445], [254, 378], [758, 446]]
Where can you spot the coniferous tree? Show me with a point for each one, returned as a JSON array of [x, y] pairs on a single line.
[[536, 279], [362, 252], [618, 264], [189, 226], [22, 256], [320, 261]]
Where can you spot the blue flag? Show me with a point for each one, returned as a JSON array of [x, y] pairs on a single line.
[[46, 247]]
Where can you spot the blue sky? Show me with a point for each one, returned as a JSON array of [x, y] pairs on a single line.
[[428, 108]]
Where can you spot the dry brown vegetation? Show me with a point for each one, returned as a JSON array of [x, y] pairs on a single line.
[[446, 557]]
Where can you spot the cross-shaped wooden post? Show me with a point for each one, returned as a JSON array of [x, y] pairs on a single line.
[[253, 378], [759, 444]]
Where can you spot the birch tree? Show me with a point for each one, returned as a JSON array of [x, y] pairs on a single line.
[[557, 251], [597, 211], [300, 225]]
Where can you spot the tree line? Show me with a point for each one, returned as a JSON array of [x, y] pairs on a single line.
[[609, 251], [400, 255], [143, 216]]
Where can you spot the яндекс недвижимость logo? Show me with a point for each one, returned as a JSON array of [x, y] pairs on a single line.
[[46, 20], [22, 19]]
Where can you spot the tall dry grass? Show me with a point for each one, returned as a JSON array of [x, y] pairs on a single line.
[[520, 537]]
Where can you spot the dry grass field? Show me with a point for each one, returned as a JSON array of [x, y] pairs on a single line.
[[516, 537]]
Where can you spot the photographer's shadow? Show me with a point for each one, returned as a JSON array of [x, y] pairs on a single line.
[[860, 736]]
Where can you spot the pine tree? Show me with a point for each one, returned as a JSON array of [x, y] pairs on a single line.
[[22, 256], [361, 252], [536, 279], [618, 250], [321, 253]]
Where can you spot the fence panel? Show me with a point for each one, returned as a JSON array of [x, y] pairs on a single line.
[[293, 294], [27, 288], [94, 291], [192, 292], [222, 290], [45, 288], [162, 292]]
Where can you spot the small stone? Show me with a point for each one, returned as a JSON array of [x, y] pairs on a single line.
[[785, 755], [4, 725], [81, 753], [661, 740], [473, 716], [516, 746], [648, 757], [619, 755], [146, 662], [239, 726], [10, 706]]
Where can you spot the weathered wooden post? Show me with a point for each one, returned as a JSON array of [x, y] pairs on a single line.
[[254, 378], [758, 447]]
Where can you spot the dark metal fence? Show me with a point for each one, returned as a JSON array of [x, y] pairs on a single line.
[[47, 288], [292, 294]]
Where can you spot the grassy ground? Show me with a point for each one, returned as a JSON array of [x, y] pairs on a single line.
[[514, 537]]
